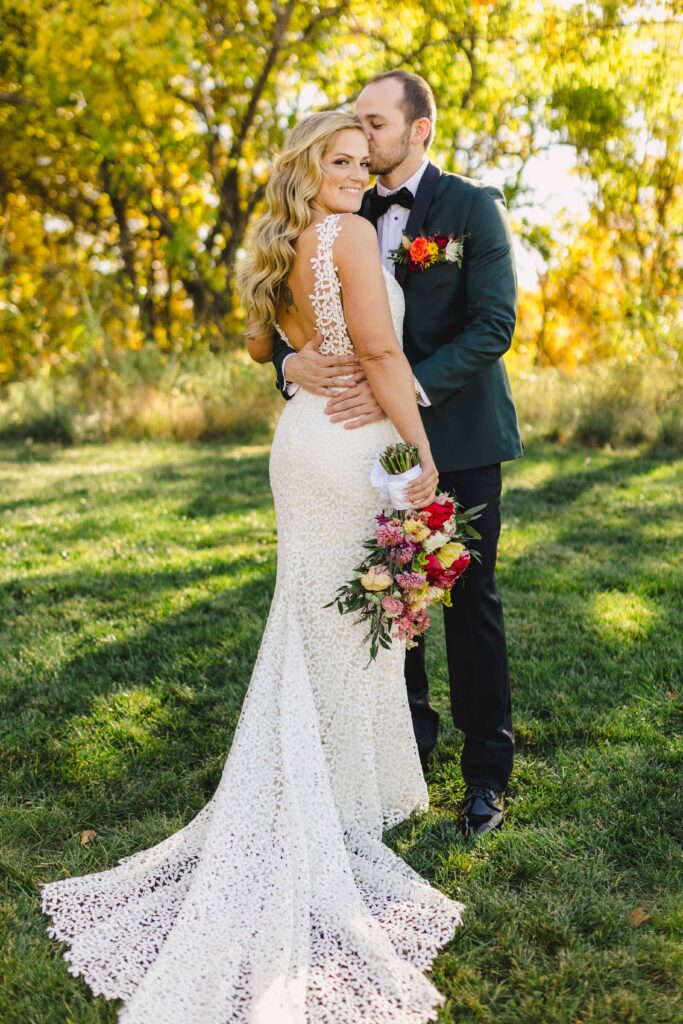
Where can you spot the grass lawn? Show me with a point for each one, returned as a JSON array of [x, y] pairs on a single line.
[[134, 583]]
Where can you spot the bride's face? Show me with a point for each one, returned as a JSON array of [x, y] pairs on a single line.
[[346, 170]]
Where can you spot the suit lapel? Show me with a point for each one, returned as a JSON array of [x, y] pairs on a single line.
[[423, 197]]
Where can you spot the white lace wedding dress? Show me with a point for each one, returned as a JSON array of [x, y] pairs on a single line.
[[278, 903]]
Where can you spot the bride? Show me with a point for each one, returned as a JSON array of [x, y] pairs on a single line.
[[279, 903]]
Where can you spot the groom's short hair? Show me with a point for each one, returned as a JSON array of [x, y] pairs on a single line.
[[418, 98]]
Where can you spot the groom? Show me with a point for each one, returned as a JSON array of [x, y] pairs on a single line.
[[458, 324]]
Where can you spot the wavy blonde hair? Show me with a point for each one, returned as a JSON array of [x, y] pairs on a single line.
[[296, 179]]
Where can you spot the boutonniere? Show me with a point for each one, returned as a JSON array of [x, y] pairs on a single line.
[[424, 251]]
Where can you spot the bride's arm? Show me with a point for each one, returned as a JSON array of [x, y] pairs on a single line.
[[368, 318], [259, 346]]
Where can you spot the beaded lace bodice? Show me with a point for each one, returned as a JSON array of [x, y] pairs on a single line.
[[326, 294]]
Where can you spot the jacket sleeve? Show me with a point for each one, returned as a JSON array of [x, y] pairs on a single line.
[[280, 351], [491, 296]]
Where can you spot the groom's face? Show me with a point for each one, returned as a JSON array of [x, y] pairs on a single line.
[[380, 110]]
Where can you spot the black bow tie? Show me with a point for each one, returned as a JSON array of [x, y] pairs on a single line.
[[380, 204]]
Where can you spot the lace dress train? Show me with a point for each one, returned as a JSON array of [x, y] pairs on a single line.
[[279, 903]]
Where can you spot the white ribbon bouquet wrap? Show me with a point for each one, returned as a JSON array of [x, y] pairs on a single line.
[[392, 485]]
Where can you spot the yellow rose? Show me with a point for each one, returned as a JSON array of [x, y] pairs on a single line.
[[416, 529], [376, 578], [449, 553]]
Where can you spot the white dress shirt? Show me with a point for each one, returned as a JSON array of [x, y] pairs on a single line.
[[390, 228], [392, 224]]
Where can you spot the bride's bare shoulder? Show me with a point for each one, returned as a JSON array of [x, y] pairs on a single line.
[[357, 237]]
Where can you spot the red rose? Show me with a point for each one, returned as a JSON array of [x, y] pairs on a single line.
[[439, 513], [446, 577], [456, 570], [441, 241], [461, 564], [435, 571]]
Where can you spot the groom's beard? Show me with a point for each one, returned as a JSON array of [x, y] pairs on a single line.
[[389, 160]]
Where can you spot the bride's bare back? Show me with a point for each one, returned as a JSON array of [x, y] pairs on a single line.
[[295, 313]]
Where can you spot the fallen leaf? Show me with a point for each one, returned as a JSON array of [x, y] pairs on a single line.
[[87, 836], [637, 916]]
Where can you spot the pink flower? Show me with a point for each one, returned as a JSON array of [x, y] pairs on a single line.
[[392, 606], [402, 630], [410, 625], [389, 535], [405, 553], [411, 580]]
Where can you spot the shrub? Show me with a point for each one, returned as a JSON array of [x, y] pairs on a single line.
[[606, 403], [140, 396], [201, 397]]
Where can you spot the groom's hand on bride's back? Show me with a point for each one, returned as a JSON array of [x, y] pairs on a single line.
[[320, 374]]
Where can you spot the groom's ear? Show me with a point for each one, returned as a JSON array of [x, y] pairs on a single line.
[[421, 130]]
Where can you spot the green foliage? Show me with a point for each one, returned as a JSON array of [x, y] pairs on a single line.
[[134, 586], [137, 139]]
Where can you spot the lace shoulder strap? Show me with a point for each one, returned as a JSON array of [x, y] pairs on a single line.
[[326, 298]]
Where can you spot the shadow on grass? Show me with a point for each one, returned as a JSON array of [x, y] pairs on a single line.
[[144, 723], [29, 606], [220, 482], [565, 487], [236, 603], [20, 453]]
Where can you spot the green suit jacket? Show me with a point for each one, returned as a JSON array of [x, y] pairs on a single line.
[[459, 322]]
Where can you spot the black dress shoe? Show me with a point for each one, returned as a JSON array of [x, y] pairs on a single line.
[[481, 811]]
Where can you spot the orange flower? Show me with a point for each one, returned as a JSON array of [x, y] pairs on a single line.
[[419, 250]]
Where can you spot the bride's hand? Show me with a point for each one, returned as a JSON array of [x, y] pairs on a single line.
[[355, 406], [422, 491]]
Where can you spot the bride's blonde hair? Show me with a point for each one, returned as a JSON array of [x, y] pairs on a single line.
[[296, 179]]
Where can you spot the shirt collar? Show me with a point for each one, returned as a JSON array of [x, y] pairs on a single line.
[[411, 184]]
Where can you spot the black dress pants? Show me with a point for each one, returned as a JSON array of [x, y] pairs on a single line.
[[476, 648]]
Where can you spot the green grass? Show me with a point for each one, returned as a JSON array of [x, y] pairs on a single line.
[[134, 584]]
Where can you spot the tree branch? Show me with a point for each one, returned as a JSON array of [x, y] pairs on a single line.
[[283, 17], [16, 99]]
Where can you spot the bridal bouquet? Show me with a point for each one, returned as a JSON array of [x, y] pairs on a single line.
[[414, 558]]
